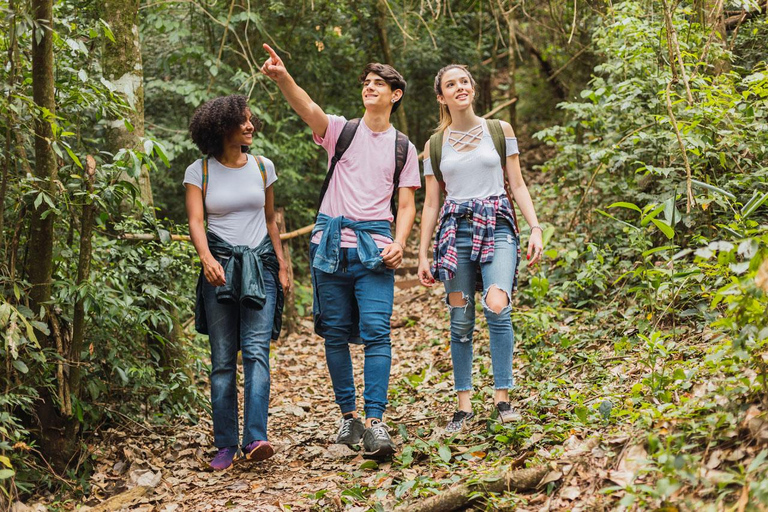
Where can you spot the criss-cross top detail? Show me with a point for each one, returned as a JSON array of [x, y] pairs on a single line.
[[465, 141]]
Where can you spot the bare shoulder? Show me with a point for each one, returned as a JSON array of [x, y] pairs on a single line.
[[426, 147], [507, 129]]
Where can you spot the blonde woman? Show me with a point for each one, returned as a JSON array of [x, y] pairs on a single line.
[[477, 243]]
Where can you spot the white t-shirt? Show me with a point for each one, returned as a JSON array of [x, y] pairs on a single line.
[[234, 202], [474, 174], [363, 181]]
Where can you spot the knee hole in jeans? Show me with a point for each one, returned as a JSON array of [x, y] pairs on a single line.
[[495, 299], [457, 300]]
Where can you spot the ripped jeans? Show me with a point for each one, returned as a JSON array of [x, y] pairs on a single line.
[[499, 273]]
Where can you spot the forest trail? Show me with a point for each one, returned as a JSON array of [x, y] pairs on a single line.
[[302, 425]]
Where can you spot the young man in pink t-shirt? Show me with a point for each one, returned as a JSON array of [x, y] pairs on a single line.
[[352, 251]]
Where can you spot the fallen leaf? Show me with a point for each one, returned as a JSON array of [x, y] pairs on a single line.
[[570, 493], [552, 476]]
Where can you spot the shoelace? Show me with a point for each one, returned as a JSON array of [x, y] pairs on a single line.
[[346, 426], [380, 431]]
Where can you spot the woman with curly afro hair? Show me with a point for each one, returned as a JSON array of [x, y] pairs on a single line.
[[240, 288]]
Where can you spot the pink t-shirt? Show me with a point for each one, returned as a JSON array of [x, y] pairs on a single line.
[[361, 187]]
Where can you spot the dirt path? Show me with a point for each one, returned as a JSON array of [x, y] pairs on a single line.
[[302, 424]]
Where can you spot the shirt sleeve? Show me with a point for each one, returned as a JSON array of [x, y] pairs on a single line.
[[512, 146], [428, 167], [410, 177], [335, 125], [194, 174], [271, 174]]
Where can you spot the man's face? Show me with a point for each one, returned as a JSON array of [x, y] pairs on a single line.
[[377, 94]]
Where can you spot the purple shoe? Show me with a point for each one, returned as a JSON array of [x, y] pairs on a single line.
[[258, 450], [224, 458]]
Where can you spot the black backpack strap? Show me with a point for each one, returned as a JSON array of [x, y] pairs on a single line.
[[401, 157], [342, 144]]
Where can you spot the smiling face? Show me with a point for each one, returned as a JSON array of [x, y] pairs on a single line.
[[458, 90], [243, 134], [377, 94]]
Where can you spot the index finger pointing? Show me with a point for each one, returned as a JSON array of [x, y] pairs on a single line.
[[271, 52]]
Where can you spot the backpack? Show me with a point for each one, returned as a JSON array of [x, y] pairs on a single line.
[[259, 161], [343, 143], [499, 142]]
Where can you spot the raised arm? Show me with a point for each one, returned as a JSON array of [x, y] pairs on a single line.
[[297, 97]]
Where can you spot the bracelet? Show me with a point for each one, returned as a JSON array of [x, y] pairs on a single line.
[[536, 227], [398, 243]]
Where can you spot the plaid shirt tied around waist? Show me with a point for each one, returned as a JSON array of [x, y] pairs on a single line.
[[482, 213]]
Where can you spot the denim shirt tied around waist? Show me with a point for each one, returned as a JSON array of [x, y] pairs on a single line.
[[244, 274], [328, 250], [483, 214]]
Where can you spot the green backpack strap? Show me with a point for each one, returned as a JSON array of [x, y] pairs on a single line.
[[436, 154], [499, 141], [262, 169]]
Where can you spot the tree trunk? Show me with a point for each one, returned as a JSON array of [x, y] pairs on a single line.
[[290, 314], [83, 273], [10, 127], [121, 61], [52, 425], [381, 28], [557, 86], [459, 496]]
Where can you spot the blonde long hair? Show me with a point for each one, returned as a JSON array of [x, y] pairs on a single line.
[[445, 114]]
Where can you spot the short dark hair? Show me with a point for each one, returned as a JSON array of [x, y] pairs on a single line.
[[390, 75], [215, 119]]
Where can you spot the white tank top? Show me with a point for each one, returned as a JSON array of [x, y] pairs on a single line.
[[470, 164]]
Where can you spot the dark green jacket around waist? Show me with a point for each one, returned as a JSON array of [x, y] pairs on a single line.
[[244, 274]]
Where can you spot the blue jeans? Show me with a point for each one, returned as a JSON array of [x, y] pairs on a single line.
[[355, 287], [499, 273], [230, 325]]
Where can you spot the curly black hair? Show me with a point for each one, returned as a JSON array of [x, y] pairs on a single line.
[[216, 118]]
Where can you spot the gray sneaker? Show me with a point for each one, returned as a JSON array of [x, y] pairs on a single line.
[[350, 431], [506, 413], [376, 442], [457, 423]]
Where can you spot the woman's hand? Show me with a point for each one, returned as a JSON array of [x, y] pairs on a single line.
[[213, 272], [425, 273], [285, 280], [535, 246]]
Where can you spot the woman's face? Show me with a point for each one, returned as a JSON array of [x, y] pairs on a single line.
[[457, 88], [243, 134]]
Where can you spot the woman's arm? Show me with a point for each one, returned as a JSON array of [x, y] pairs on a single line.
[[274, 235], [523, 199], [429, 215], [212, 270]]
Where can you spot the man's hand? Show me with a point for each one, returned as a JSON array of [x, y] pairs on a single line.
[[273, 67], [392, 255]]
